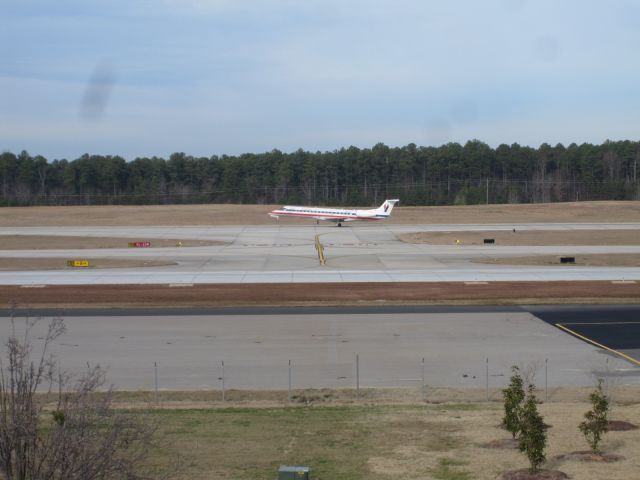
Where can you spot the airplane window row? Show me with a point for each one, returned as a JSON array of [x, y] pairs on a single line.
[[315, 211]]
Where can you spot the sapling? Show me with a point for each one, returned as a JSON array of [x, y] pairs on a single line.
[[595, 423], [513, 396], [532, 440]]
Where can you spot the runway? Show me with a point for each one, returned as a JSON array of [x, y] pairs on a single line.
[[286, 254], [458, 344]]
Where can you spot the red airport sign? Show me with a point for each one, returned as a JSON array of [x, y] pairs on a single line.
[[140, 244]]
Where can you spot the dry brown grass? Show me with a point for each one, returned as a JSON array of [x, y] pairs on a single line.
[[369, 440], [55, 242], [24, 264], [202, 295], [528, 237], [215, 214], [592, 260], [621, 395]]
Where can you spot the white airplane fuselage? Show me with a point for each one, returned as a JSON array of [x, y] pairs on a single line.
[[337, 215]]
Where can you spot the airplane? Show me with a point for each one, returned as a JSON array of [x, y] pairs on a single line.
[[337, 215]]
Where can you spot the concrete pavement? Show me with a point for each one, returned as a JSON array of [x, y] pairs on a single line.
[[355, 253], [257, 344]]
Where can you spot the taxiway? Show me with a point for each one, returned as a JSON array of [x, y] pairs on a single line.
[[284, 254]]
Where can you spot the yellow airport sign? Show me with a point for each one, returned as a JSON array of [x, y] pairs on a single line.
[[77, 263]]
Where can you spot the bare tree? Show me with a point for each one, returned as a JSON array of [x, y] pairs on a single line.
[[56, 426]]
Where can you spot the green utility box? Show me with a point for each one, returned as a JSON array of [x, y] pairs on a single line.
[[293, 473]]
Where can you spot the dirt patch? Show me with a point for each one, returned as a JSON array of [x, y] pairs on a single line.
[[588, 456], [445, 398], [24, 264], [107, 215], [525, 474], [386, 433], [367, 440], [620, 426], [322, 294], [527, 237], [54, 242], [509, 443], [591, 260]]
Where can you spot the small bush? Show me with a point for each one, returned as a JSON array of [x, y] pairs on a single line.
[[595, 424]]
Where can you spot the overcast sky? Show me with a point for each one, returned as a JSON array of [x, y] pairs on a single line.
[[150, 77]]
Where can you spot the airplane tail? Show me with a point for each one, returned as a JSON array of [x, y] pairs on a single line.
[[386, 207]]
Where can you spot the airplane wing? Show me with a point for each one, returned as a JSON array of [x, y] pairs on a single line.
[[333, 219]]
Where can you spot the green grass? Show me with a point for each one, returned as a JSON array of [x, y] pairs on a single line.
[[336, 442], [449, 469]]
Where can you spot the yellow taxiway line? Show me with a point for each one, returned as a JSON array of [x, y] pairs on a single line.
[[593, 342], [320, 250]]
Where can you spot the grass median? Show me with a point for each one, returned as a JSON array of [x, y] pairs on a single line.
[[444, 441]]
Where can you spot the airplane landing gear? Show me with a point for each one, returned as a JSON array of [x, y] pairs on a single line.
[[339, 224]]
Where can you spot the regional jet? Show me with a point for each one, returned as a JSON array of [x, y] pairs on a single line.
[[337, 215]]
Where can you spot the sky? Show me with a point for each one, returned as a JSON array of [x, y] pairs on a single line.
[[212, 77]]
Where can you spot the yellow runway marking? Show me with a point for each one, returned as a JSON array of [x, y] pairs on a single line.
[[593, 342]]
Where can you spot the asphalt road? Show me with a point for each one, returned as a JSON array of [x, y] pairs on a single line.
[[615, 327], [256, 345]]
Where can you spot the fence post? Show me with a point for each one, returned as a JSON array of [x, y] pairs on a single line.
[[289, 394], [223, 380], [357, 375], [155, 375], [487, 190], [486, 377], [546, 379], [424, 396]]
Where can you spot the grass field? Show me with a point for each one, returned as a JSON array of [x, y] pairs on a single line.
[[18, 264], [539, 238], [54, 242], [378, 442], [591, 260], [107, 215], [527, 237], [219, 294]]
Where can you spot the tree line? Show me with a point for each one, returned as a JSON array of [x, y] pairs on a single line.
[[449, 174]]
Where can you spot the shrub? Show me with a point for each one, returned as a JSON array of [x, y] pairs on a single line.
[[84, 438]]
